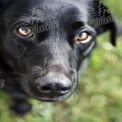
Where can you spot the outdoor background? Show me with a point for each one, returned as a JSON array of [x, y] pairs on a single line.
[[99, 95]]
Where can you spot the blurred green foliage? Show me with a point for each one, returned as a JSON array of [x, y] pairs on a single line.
[[98, 97]]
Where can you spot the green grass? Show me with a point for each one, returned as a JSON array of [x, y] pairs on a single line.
[[98, 97]]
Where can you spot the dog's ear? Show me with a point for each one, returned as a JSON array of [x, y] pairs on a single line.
[[104, 20], [3, 5]]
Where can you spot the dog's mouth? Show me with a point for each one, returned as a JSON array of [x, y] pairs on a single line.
[[52, 87], [48, 98], [54, 98]]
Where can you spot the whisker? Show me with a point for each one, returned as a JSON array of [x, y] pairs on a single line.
[[20, 74]]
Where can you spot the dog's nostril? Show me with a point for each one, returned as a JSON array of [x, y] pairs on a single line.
[[45, 89], [55, 88], [64, 90]]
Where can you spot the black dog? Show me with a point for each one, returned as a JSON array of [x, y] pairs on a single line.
[[44, 43]]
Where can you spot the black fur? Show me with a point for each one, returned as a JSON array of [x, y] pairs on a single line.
[[45, 65]]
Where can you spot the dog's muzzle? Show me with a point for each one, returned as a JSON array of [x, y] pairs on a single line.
[[52, 87]]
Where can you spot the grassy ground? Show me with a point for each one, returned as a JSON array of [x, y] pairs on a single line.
[[98, 97]]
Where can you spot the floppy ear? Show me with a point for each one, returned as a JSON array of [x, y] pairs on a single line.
[[105, 21], [3, 5]]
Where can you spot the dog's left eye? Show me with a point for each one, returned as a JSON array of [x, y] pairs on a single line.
[[24, 31], [84, 37]]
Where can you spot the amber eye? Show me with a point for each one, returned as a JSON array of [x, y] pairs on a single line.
[[84, 37], [24, 31]]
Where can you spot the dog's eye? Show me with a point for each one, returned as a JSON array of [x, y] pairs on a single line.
[[84, 37], [24, 31]]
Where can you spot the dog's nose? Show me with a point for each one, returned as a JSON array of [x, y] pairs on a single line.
[[55, 88]]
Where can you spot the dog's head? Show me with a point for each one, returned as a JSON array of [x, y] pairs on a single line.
[[46, 42]]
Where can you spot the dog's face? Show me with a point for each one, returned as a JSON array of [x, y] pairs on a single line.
[[45, 42]]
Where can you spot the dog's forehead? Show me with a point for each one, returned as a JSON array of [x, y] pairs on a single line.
[[66, 14], [50, 8], [58, 6], [61, 8]]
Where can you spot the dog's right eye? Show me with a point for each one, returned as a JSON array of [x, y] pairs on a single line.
[[24, 31], [84, 37]]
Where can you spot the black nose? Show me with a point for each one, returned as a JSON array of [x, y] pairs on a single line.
[[55, 88]]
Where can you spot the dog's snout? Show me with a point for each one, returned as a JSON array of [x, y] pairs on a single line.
[[56, 84], [55, 88]]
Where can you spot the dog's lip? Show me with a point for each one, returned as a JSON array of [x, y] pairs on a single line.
[[52, 99], [56, 99], [44, 99]]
